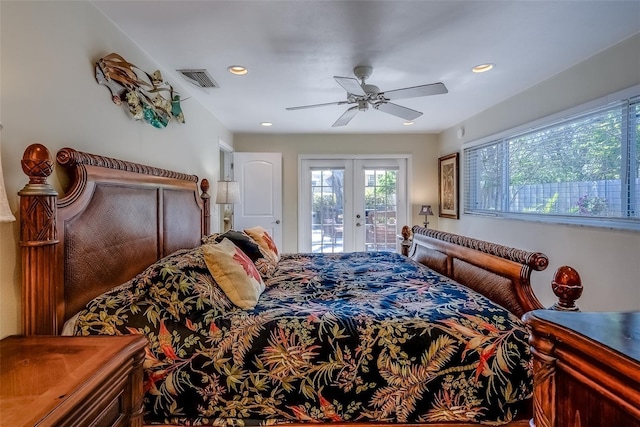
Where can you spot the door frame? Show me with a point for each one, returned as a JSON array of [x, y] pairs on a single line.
[[225, 171], [304, 220]]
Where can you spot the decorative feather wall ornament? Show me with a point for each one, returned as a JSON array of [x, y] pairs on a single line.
[[147, 96]]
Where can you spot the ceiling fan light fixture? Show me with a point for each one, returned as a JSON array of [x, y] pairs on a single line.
[[238, 70], [408, 123], [483, 68], [266, 124]]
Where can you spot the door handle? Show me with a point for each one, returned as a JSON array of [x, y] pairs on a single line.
[[358, 224], [277, 221]]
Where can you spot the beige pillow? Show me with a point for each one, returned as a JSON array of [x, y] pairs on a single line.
[[265, 241], [263, 262], [234, 272]]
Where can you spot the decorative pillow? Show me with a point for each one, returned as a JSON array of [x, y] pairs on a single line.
[[235, 273], [264, 240], [243, 241], [263, 261]]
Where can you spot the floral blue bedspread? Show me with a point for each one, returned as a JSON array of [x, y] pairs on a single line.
[[362, 337]]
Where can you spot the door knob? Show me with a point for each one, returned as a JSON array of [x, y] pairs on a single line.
[[277, 221], [358, 224]]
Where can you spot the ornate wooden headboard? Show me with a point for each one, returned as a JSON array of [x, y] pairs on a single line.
[[115, 220]]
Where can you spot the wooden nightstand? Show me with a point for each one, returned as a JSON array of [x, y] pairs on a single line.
[[586, 368], [71, 381]]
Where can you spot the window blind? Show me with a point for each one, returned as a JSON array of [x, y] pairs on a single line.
[[584, 166]]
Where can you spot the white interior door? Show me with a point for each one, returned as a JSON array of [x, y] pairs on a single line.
[[260, 178], [353, 204]]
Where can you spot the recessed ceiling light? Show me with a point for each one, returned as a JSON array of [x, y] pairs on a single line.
[[482, 68], [266, 124], [407, 123], [238, 70]]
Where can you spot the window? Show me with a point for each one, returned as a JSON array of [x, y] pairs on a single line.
[[327, 188], [380, 200], [582, 169]]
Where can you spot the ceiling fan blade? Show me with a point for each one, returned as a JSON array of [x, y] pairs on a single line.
[[398, 110], [351, 85], [415, 91], [346, 117], [302, 107]]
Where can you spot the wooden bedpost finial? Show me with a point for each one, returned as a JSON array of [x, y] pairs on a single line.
[[567, 286], [37, 164], [204, 186]]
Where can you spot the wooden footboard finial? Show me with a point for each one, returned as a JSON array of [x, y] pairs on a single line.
[[206, 200], [38, 240], [567, 286]]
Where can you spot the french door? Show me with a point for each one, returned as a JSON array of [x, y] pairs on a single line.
[[351, 204]]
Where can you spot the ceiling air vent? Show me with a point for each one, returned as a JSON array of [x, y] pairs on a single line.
[[199, 78]]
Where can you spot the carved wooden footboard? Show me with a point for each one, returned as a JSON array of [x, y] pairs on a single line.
[[501, 273]]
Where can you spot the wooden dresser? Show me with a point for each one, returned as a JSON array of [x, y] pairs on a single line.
[[586, 368], [71, 381]]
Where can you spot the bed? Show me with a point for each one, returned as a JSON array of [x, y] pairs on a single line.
[[366, 338]]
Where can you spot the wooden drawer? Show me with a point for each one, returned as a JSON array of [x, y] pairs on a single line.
[[586, 368]]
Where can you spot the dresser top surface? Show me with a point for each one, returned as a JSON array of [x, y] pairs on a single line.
[[40, 373], [616, 330]]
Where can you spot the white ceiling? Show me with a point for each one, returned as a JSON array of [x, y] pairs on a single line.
[[294, 48]]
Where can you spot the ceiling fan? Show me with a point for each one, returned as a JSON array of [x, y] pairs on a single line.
[[363, 95]]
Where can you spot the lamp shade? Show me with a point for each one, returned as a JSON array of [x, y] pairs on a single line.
[[425, 210], [5, 210], [228, 192]]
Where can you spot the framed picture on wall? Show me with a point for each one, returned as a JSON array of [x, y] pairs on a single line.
[[448, 193]]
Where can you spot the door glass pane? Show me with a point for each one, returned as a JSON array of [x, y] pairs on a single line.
[[327, 211], [380, 210]]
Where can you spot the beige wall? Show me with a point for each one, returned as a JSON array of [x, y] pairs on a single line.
[[608, 261], [422, 180], [49, 95]]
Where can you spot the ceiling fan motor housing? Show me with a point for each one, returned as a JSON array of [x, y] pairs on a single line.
[[363, 72], [371, 90]]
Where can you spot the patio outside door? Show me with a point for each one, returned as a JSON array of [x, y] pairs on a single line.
[[351, 205]]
